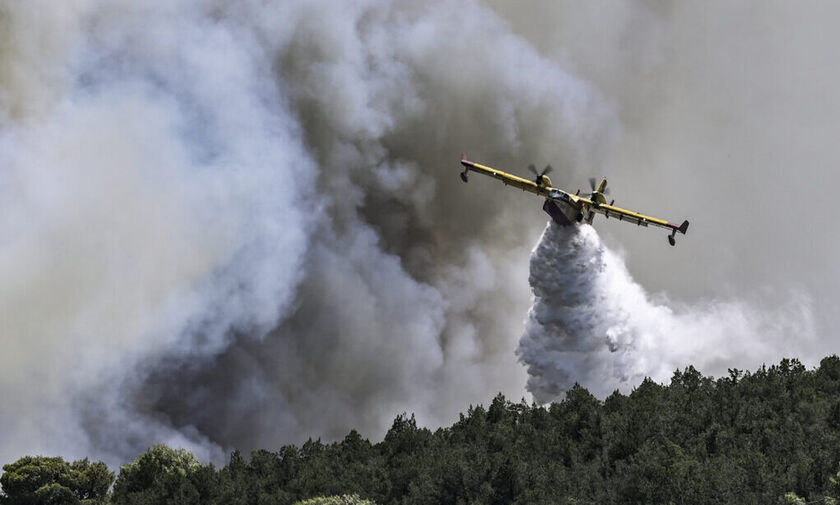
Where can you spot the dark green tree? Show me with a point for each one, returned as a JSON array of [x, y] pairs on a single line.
[[42, 480], [163, 476]]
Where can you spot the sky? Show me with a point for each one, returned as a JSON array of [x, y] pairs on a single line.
[[727, 113], [241, 225]]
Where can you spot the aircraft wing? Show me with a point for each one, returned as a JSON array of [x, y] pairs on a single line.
[[636, 218], [506, 178]]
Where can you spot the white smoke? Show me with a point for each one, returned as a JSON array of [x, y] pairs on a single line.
[[148, 190], [240, 224], [592, 324]]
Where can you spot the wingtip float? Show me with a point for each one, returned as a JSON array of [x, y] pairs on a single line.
[[567, 208]]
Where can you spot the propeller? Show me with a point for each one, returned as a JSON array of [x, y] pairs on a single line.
[[539, 175]]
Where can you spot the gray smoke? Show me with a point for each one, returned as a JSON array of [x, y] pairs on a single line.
[[239, 224], [592, 324]]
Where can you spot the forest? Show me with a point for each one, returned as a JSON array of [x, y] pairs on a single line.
[[762, 437]]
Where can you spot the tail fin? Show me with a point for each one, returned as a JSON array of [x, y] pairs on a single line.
[[683, 227], [603, 186]]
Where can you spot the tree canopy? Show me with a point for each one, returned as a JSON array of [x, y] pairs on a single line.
[[41, 480], [763, 437], [163, 476]]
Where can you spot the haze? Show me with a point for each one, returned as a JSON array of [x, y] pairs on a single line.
[[241, 225]]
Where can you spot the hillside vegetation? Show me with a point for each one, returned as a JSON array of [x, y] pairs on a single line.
[[763, 437]]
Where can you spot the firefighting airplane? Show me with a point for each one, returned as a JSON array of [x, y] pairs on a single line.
[[566, 208]]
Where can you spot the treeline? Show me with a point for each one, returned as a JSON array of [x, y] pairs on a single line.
[[770, 436]]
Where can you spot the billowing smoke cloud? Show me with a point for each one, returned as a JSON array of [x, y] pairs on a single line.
[[238, 224], [592, 324], [153, 199]]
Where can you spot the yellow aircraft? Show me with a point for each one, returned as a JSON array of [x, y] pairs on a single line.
[[567, 208]]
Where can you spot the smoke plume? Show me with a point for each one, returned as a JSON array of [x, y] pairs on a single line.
[[236, 224], [239, 224]]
